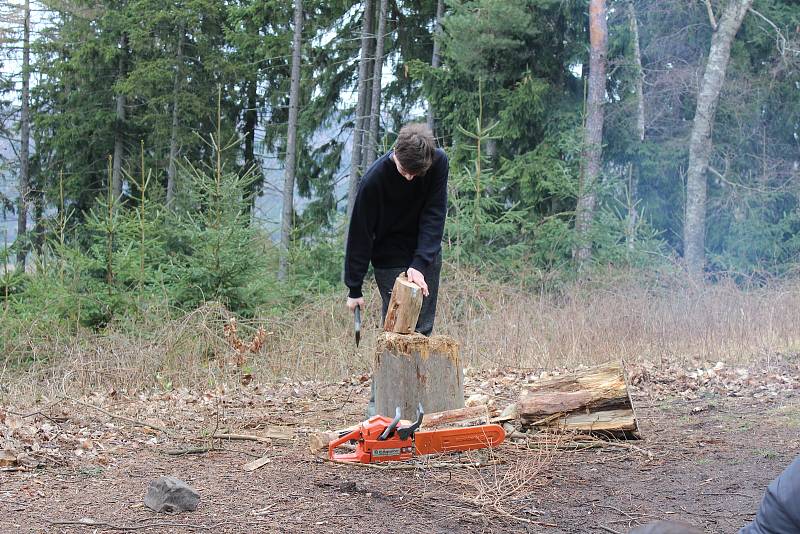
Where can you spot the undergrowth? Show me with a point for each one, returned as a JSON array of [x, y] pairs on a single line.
[[497, 324]]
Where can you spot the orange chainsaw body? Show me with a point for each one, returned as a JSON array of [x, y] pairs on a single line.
[[370, 448]]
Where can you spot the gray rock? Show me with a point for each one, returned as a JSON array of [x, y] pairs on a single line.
[[171, 495]]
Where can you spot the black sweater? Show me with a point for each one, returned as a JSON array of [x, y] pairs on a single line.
[[396, 222]]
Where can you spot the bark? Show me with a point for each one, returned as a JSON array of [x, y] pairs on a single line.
[[700, 140], [637, 62], [593, 135], [250, 123], [375, 103], [119, 130], [291, 143], [592, 399], [633, 170], [368, 99], [173, 135], [361, 107], [413, 369], [24, 145], [404, 306], [436, 59]]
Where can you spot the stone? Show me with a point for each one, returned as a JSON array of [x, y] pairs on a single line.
[[171, 495]]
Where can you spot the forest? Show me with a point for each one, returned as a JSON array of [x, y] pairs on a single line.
[[142, 132], [176, 184]]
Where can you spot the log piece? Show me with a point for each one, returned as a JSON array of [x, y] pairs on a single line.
[[404, 306], [413, 369], [594, 399]]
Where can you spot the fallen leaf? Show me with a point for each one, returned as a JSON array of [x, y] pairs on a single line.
[[8, 458]]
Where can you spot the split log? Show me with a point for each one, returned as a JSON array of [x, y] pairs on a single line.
[[473, 415], [404, 306], [595, 399], [413, 369]]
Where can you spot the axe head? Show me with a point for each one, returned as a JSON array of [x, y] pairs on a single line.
[[357, 314]]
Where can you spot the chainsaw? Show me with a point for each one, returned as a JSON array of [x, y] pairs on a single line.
[[379, 439]]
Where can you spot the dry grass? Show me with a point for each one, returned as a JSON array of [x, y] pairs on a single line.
[[496, 324]]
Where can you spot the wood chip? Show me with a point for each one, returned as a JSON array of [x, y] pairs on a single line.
[[256, 464]]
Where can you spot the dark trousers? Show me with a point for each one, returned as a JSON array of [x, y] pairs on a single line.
[[385, 278]]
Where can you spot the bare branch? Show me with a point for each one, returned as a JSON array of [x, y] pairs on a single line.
[[781, 39], [711, 18]]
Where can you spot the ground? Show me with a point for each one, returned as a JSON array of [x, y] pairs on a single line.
[[713, 438]]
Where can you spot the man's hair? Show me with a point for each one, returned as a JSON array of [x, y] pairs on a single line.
[[414, 148]]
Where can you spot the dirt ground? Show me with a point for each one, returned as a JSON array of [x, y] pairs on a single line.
[[713, 438]]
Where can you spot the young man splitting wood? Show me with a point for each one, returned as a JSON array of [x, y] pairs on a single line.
[[398, 222]]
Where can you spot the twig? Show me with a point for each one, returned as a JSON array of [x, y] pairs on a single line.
[[121, 417], [89, 522], [416, 465], [726, 494], [608, 529], [191, 450], [711, 17], [781, 39], [37, 412], [244, 437]]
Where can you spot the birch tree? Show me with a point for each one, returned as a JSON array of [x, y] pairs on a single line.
[[700, 141], [361, 107], [436, 58], [291, 143], [375, 104], [25, 133]]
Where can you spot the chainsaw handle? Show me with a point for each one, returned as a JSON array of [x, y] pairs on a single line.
[[392, 425], [408, 431], [344, 438]]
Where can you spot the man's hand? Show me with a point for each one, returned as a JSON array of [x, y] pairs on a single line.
[[352, 303], [418, 278]]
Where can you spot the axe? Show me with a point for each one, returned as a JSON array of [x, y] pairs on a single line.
[[357, 314]]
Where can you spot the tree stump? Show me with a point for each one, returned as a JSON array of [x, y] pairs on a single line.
[[595, 399], [404, 306], [413, 369]]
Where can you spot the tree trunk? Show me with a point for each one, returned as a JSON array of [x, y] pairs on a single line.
[[700, 140], [436, 59], [375, 104], [24, 145], [119, 130], [361, 107], [593, 136], [404, 306], [250, 123], [413, 369], [368, 98], [633, 170], [637, 63], [594, 399], [291, 143], [173, 135]]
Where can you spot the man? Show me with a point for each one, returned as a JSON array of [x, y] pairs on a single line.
[[780, 507], [398, 222]]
